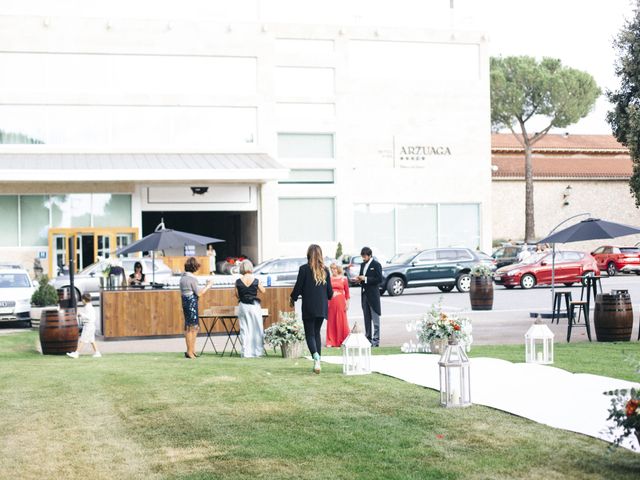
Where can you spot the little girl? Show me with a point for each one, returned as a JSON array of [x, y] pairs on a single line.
[[88, 317]]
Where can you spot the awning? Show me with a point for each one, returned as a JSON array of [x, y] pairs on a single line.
[[138, 167]]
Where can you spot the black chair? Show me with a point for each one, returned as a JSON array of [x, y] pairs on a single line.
[[590, 283], [557, 304], [583, 308]]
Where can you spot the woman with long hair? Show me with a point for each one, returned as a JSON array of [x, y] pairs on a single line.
[[190, 292], [314, 285], [337, 324]]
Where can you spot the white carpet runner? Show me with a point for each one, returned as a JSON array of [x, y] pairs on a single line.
[[544, 394]]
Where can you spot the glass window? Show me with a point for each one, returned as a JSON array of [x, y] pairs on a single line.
[[459, 225], [417, 227], [297, 225], [111, 210], [599, 250], [9, 215], [463, 255], [374, 226], [34, 220], [72, 210], [446, 255], [309, 176], [427, 256], [305, 145]]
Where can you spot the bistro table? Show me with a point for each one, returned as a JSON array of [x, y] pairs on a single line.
[[228, 318]]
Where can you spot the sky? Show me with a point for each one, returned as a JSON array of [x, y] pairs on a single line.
[[578, 32]]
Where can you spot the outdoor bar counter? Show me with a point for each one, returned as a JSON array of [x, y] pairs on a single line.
[[134, 312]]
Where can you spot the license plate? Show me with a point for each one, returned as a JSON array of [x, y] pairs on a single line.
[[5, 311], [7, 303], [497, 277]]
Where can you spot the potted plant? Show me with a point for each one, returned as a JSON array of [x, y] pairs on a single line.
[[481, 291], [44, 298], [436, 327], [287, 334]]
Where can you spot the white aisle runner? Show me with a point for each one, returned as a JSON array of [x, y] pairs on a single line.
[[544, 394]]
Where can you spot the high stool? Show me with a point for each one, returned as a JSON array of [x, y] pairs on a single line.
[[557, 304], [582, 307], [590, 283]]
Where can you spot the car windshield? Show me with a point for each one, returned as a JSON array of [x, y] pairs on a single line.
[[14, 280], [403, 257], [483, 256], [629, 250], [534, 258]]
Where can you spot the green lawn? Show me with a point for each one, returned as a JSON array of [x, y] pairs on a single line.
[[161, 416]]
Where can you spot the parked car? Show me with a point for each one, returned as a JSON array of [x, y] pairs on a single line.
[[618, 259], [283, 270], [536, 270], [508, 254], [352, 268], [88, 280], [444, 268], [16, 289]]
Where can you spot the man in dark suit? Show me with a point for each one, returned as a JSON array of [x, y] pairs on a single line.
[[370, 279]]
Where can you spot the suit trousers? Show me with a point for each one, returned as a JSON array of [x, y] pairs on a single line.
[[370, 317]]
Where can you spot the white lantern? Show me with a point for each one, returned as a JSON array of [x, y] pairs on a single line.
[[356, 353], [455, 384], [539, 344]]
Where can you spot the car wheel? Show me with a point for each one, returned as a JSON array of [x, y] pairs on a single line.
[[463, 283], [568, 284], [611, 269], [395, 286], [527, 281], [445, 288], [509, 287], [26, 323]]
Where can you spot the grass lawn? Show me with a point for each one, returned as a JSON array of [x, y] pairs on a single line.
[[162, 416]]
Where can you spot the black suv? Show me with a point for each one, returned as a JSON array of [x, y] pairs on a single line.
[[444, 268]]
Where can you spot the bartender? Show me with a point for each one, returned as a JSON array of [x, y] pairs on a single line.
[[136, 279]]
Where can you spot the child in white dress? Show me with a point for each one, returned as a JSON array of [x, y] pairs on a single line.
[[88, 317]]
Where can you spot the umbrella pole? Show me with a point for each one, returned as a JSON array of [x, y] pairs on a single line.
[[153, 268], [553, 272]]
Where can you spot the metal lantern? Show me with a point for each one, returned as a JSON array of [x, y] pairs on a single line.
[[455, 385], [356, 353], [539, 344]]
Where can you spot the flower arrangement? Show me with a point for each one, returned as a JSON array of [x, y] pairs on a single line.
[[288, 330], [481, 270], [625, 413]]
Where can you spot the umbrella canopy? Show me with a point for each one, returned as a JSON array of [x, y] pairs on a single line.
[[590, 229], [163, 239]]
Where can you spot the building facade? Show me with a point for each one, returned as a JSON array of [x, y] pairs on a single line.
[[268, 131]]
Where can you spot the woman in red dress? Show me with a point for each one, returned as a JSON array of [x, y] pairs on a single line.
[[337, 324]]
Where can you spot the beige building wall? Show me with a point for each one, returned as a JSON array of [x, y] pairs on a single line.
[[605, 199]]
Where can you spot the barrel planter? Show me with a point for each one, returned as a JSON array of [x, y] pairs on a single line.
[[481, 293], [613, 318], [59, 331]]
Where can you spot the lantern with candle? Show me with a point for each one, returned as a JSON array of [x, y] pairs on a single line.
[[356, 353], [455, 384], [539, 343]]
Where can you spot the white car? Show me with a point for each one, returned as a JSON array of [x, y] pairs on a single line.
[[16, 289], [88, 280]]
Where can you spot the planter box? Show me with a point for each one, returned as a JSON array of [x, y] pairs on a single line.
[[291, 350]]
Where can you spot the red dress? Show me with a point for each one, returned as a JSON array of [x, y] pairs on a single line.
[[337, 324]]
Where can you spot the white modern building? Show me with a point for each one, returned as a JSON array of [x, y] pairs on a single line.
[[271, 124]]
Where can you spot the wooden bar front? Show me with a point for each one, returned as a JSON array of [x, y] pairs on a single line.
[[150, 313]]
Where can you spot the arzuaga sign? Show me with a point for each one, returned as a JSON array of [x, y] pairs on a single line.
[[416, 155]]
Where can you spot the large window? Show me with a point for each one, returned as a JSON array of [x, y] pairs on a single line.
[[397, 228], [305, 145], [32, 215], [309, 176], [307, 219]]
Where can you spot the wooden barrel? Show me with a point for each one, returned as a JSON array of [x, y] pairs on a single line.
[[613, 317], [59, 331], [481, 293]]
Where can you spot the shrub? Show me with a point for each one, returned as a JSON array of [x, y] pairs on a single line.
[[45, 294], [287, 331]]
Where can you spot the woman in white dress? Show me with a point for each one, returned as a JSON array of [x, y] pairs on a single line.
[[250, 312]]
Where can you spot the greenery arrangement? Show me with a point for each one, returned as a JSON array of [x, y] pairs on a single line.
[[438, 325], [481, 270], [45, 294], [288, 330]]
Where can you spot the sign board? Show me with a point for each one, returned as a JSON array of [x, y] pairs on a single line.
[[417, 153]]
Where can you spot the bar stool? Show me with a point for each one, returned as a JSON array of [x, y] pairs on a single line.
[[557, 304], [589, 283], [582, 307]]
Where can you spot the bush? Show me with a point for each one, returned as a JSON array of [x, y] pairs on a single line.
[[287, 331], [45, 294]]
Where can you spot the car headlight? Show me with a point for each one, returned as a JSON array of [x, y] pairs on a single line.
[[512, 273]]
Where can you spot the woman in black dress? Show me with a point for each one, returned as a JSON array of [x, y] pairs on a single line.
[[314, 284]]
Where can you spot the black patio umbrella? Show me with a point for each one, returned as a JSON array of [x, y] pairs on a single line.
[[164, 238]]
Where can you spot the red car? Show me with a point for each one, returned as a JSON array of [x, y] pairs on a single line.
[[536, 270], [618, 259]]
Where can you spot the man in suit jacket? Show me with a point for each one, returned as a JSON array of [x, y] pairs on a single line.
[[370, 279]]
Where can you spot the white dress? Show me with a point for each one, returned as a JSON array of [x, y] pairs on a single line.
[[250, 320], [88, 318]]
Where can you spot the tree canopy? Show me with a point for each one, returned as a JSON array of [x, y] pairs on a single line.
[[625, 117], [522, 89]]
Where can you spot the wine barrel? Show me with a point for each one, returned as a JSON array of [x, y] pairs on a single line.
[[59, 331], [481, 293], [613, 318]]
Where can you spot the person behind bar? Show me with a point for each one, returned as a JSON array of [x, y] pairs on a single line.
[[250, 311], [314, 284], [190, 292], [137, 278]]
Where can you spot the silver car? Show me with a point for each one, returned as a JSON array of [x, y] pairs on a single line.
[[16, 289], [88, 280]]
